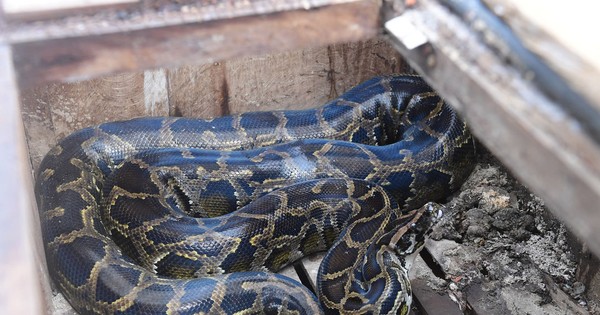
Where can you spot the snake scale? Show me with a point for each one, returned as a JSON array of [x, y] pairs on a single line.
[[188, 216]]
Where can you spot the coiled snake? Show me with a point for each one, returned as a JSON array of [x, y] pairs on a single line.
[[188, 216]]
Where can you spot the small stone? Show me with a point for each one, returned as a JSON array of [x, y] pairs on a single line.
[[496, 199], [477, 214], [476, 223], [477, 231], [520, 234], [453, 286], [578, 288], [501, 225], [527, 222], [505, 219]]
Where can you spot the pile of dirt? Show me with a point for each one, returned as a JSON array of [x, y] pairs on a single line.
[[499, 241]]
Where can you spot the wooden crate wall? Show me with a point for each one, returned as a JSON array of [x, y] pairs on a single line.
[[296, 79]]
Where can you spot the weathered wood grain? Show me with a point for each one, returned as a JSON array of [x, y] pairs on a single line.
[[16, 6], [189, 43], [52, 112], [20, 289], [307, 78], [198, 91], [41, 9], [296, 79], [561, 35], [355, 62], [289, 80], [544, 147], [149, 14]]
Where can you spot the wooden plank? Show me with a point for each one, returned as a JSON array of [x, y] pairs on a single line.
[[40, 9], [563, 300], [533, 136], [20, 287], [431, 291], [151, 14], [24, 6], [559, 33], [74, 58], [296, 79]]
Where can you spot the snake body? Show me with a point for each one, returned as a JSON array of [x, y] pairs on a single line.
[[188, 216]]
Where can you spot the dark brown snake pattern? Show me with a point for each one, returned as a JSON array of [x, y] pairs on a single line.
[[189, 216]]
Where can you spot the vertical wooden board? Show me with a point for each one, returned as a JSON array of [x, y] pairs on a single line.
[[198, 91], [352, 63], [156, 93], [297, 79]]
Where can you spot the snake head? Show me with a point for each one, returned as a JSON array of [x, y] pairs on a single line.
[[413, 230]]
